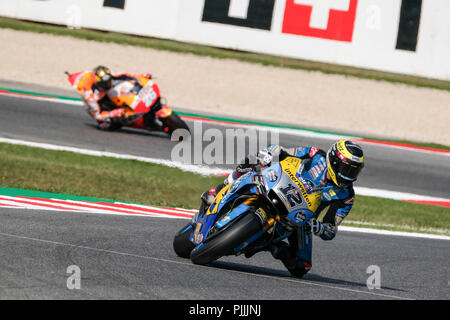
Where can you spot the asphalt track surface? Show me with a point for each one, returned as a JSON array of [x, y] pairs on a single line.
[[68, 125], [123, 257]]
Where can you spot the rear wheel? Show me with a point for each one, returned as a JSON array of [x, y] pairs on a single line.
[[225, 241], [181, 243]]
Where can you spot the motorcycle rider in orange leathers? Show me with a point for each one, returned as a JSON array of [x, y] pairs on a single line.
[[109, 97]]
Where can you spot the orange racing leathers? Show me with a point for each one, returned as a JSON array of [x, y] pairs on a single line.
[[112, 106]]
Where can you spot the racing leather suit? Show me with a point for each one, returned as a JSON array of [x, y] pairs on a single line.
[[297, 255], [110, 107]]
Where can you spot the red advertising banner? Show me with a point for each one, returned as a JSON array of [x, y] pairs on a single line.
[[326, 19]]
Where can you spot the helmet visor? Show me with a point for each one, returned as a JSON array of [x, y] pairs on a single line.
[[348, 172], [104, 82]]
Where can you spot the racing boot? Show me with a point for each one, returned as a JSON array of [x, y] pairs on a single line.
[[207, 197], [296, 266]]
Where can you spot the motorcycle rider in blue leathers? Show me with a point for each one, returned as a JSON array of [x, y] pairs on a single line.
[[333, 171]]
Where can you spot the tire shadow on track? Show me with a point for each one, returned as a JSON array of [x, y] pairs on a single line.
[[263, 271], [128, 130]]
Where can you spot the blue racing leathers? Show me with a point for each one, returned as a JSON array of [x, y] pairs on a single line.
[[339, 200]]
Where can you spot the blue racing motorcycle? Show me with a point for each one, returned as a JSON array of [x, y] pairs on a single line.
[[258, 209]]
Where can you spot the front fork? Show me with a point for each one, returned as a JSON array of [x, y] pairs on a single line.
[[154, 119], [164, 112]]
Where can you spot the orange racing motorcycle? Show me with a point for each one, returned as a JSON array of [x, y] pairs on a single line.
[[144, 106]]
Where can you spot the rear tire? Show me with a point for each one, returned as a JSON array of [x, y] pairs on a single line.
[[225, 241], [181, 243]]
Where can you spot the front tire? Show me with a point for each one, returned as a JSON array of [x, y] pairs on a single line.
[[181, 243], [174, 122], [225, 241]]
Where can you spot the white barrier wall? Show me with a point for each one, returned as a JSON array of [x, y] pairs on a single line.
[[402, 36], [157, 18]]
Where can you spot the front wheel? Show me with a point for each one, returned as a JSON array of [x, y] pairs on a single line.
[[225, 241], [174, 122], [181, 243]]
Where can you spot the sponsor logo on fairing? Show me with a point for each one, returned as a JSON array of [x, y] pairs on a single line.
[[313, 151], [327, 196], [272, 175], [300, 217], [292, 195]]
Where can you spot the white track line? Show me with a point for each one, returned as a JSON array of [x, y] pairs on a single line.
[[394, 233], [202, 170], [206, 171], [395, 195]]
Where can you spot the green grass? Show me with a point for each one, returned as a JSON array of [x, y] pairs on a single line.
[[399, 215], [129, 180], [202, 50], [100, 177]]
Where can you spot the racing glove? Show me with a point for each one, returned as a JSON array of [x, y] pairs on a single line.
[[267, 156], [106, 116], [326, 231], [264, 158], [117, 113], [315, 226], [249, 163]]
